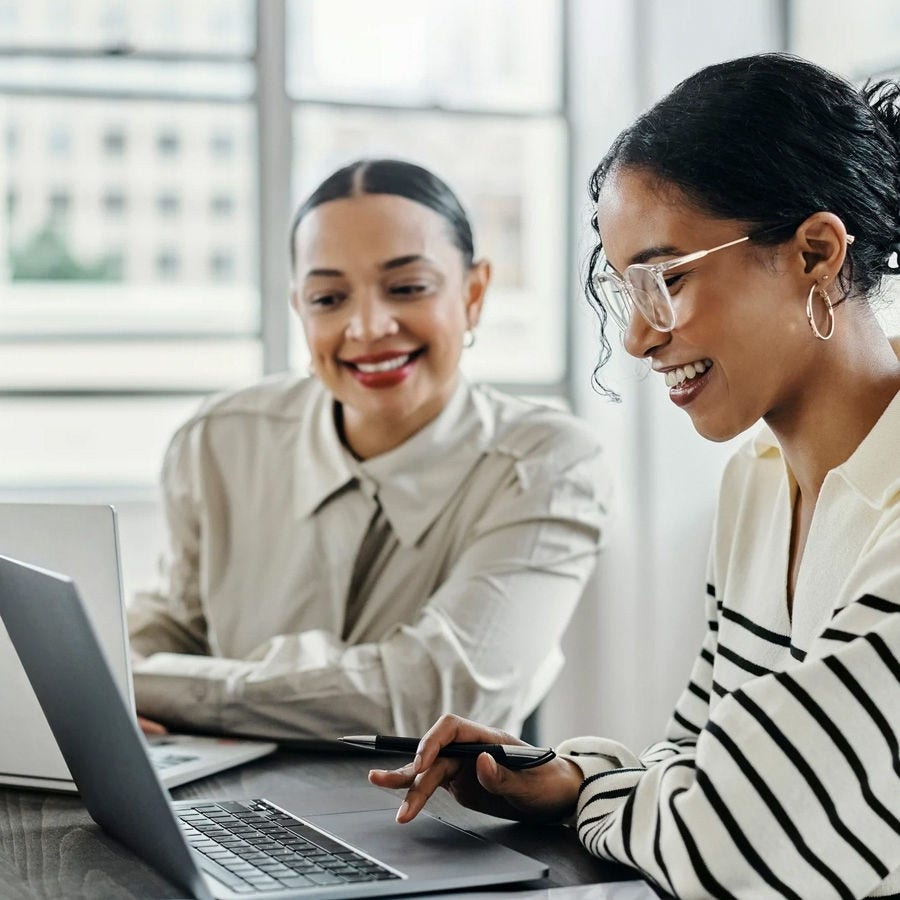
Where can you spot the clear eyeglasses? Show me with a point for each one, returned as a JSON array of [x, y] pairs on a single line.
[[644, 288]]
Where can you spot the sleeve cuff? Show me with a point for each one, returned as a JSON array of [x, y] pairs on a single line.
[[183, 690], [594, 755]]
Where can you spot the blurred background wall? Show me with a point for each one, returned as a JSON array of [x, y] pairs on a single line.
[[151, 154]]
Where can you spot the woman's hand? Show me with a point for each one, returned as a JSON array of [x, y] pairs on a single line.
[[151, 728], [542, 794]]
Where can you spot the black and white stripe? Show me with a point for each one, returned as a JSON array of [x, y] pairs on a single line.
[[782, 783]]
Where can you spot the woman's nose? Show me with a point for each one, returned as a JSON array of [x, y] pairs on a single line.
[[641, 338], [371, 320]]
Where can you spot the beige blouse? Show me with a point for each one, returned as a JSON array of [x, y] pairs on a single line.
[[308, 594]]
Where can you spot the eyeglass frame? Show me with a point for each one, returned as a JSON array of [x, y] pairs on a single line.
[[656, 270]]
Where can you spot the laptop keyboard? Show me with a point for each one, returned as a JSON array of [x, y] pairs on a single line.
[[163, 758], [253, 846]]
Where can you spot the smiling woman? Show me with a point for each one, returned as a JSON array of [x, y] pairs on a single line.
[[367, 548], [744, 225], [385, 298]]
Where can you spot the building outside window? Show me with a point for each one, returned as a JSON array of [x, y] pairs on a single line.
[[221, 265], [168, 204], [221, 145], [59, 141], [114, 142], [168, 264], [136, 240], [168, 143], [60, 203], [221, 205], [114, 203]]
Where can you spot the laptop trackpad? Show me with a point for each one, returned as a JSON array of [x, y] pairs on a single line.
[[305, 801], [428, 848]]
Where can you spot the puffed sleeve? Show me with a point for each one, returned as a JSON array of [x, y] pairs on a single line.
[[170, 619], [485, 645]]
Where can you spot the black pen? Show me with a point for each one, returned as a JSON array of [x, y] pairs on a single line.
[[510, 756]]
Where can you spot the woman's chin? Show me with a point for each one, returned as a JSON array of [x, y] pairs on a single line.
[[719, 431]]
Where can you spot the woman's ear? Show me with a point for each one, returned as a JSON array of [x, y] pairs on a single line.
[[822, 246], [478, 278]]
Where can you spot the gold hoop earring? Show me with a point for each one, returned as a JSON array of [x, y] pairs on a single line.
[[829, 310], [469, 338]]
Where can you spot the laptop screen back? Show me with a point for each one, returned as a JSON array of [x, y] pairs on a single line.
[[96, 732], [81, 541]]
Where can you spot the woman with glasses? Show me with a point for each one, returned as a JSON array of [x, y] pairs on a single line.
[[745, 225], [366, 548]]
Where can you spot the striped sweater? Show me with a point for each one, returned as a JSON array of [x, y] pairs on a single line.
[[780, 773]]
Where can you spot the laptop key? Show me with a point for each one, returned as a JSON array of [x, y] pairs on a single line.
[[234, 807], [261, 881], [211, 867], [316, 837], [323, 878], [295, 881]]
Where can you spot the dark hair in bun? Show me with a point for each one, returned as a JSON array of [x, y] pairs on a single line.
[[769, 140]]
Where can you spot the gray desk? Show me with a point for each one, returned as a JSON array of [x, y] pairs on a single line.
[[50, 848]]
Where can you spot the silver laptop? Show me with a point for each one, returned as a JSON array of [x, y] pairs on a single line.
[[82, 540], [231, 848]]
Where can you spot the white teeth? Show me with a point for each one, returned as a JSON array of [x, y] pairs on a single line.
[[387, 366], [690, 370]]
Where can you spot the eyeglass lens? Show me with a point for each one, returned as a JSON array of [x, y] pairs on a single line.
[[651, 297], [644, 291]]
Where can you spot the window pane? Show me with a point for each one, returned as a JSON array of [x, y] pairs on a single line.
[[117, 441], [84, 365], [114, 212], [857, 42], [516, 203], [131, 77], [207, 26], [478, 54]]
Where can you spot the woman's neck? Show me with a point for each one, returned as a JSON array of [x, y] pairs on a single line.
[[368, 436], [842, 398]]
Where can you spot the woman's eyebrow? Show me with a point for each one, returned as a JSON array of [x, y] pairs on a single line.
[[323, 273], [400, 261], [651, 252], [396, 263], [644, 256]]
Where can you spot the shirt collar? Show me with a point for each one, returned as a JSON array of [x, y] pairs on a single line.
[[322, 465], [414, 481], [868, 469], [865, 470]]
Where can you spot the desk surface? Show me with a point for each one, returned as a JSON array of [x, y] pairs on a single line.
[[50, 848]]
